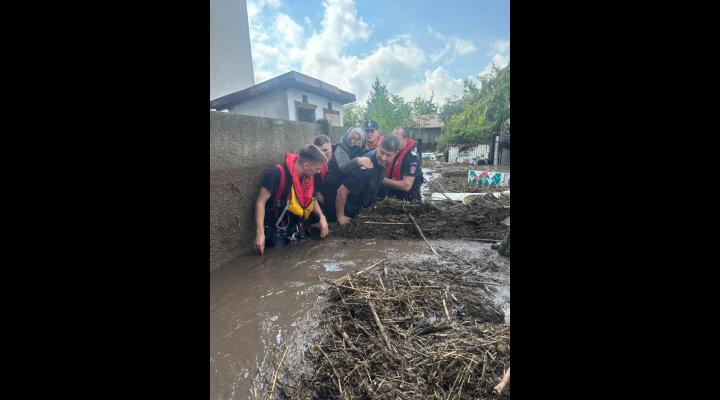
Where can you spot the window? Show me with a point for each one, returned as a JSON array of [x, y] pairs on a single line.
[[305, 99], [329, 106], [304, 112], [306, 115]]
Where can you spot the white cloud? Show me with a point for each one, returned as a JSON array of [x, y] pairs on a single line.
[[454, 47], [281, 44], [463, 46], [500, 56], [287, 30], [438, 81]]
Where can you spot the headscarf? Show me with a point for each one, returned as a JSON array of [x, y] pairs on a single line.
[[352, 151]]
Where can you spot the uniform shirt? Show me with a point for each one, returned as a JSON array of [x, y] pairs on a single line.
[[363, 185], [411, 166]]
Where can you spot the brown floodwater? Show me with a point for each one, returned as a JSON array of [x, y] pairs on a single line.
[[256, 302]]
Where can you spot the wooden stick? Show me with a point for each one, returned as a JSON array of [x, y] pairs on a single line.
[[422, 234], [363, 271], [443, 191], [337, 376], [447, 314], [500, 386], [278, 370], [379, 324]]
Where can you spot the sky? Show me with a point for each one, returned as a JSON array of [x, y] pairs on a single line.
[[415, 47]]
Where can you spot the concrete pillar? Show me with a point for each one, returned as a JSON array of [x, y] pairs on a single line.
[[231, 66]]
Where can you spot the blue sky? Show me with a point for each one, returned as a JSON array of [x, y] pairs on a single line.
[[413, 46]]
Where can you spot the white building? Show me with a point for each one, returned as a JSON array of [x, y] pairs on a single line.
[[231, 67], [291, 96]]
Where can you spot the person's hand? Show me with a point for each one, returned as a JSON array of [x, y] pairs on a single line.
[[259, 244], [324, 229], [365, 162], [343, 220]]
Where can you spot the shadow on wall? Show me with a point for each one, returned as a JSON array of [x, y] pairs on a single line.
[[242, 149]]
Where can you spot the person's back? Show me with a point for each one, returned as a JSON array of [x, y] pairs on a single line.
[[345, 158], [360, 188]]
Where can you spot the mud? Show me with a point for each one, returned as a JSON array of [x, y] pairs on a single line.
[[481, 219], [261, 304], [428, 305], [451, 178]]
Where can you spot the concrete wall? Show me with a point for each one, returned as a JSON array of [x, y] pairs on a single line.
[[294, 95], [231, 66], [242, 149], [272, 104]]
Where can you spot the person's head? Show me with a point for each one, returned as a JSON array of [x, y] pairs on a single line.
[[323, 143], [402, 134], [388, 149], [371, 131], [310, 160], [354, 138]]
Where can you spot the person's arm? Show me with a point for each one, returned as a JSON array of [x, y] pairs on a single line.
[[340, 200], [324, 230], [404, 185], [262, 198], [347, 165]]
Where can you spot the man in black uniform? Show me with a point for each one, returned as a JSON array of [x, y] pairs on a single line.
[[404, 176], [359, 190]]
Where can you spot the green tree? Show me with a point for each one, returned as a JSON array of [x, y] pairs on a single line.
[[389, 110], [423, 106], [353, 114], [482, 110]]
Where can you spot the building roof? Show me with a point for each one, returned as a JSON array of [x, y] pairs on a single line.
[[287, 80], [427, 121]]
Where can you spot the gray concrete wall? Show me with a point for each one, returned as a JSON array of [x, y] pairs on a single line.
[[242, 149], [272, 104]]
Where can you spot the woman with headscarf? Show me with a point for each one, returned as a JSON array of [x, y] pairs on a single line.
[[346, 157]]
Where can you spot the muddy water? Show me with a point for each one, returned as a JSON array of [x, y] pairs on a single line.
[[256, 302]]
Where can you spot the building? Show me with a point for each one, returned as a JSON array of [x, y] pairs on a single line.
[[231, 66], [426, 129], [291, 96]]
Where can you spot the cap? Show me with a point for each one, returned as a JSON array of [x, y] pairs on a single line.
[[370, 125]]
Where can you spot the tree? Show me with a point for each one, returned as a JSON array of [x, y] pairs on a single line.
[[389, 110], [353, 114], [422, 106], [482, 110]]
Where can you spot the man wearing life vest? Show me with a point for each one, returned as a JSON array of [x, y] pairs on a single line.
[[287, 198], [404, 177], [359, 190], [372, 135]]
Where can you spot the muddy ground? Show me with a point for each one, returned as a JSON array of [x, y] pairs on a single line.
[[453, 178], [485, 218], [406, 328]]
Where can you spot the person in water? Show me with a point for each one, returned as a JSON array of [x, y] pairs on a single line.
[[287, 198]]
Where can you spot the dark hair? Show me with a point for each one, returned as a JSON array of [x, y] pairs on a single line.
[[313, 154], [321, 140], [405, 132], [390, 143]]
